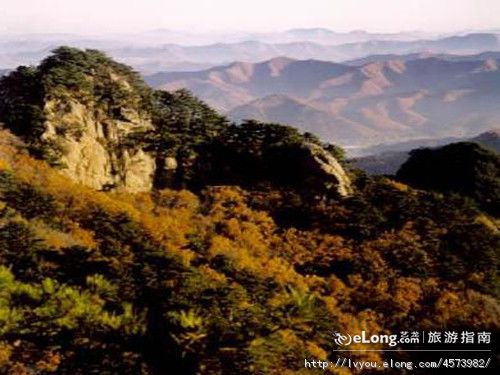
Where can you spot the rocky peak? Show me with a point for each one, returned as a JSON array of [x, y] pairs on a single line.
[[82, 106]]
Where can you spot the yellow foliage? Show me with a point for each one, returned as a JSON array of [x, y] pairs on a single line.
[[212, 274], [316, 351], [5, 353], [466, 307], [398, 185], [487, 222], [57, 239], [4, 165], [49, 363], [406, 294]]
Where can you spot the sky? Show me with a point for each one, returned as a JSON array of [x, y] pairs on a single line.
[[111, 16]]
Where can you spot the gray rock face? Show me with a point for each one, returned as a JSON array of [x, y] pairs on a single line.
[[322, 164], [89, 146]]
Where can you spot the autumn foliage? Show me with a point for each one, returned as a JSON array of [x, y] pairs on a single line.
[[117, 283]]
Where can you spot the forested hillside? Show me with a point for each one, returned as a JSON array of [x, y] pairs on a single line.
[[235, 261]]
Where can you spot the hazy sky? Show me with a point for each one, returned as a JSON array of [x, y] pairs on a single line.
[[99, 16]]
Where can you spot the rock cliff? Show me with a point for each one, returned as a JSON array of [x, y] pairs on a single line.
[[92, 150], [321, 163]]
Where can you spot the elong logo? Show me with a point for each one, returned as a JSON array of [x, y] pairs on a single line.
[[364, 338]]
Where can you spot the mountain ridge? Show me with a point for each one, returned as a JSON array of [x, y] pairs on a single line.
[[426, 96]]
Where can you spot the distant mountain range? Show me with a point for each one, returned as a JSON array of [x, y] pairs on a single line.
[[163, 50], [316, 35], [255, 51], [422, 55], [387, 159], [383, 101], [327, 36]]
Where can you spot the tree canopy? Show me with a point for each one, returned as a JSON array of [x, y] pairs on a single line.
[[464, 168]]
